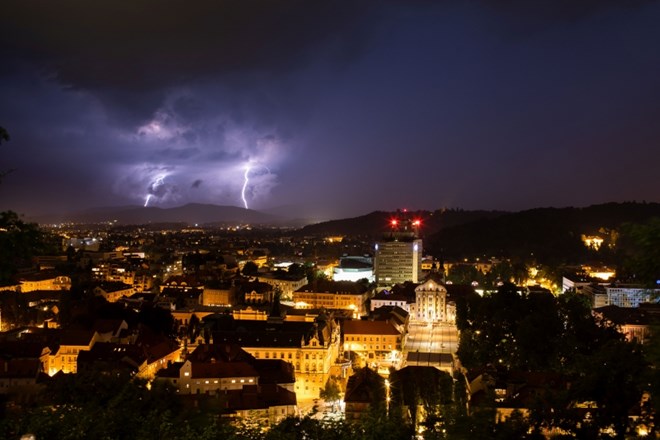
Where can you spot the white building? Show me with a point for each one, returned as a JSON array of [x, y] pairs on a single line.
[[629, 296], [287, 284], [354, 269], [430, 303]]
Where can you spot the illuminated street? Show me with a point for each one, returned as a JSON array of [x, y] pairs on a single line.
[[436, 338]]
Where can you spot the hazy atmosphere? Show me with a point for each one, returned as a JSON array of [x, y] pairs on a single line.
[[334, 108]]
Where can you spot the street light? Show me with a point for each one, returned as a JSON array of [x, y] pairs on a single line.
[[387, 396]]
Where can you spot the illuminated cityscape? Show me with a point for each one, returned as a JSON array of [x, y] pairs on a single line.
[[329, 220], [250, 319]]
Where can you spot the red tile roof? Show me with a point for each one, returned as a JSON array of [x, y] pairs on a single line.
[[356, 327]]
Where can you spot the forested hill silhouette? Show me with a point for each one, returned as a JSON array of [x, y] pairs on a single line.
[[376, 223], [547, 235]]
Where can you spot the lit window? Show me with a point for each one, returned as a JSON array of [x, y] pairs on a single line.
[[186, 374]]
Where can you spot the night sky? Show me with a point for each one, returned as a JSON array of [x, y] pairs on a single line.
[[333, 108]]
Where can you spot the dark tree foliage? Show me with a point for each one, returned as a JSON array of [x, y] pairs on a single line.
[[547, 235], [296, 270], [14, 308], [94, 404], [250, 269], [157, 319], [541, 333], [19, 242], [427, 387], [639, 249], [332, 390], [194, 327], [651, 351], [463, 274]]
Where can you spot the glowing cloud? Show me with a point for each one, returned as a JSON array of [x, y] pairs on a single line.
[[179, 149]]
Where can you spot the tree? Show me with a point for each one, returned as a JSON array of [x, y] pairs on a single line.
[[332, 390], [640, 246], [250, 269], [651, 352], [463, 274], [157, 319], [19, 242], [612, 377], [296, 270], [194, 327]]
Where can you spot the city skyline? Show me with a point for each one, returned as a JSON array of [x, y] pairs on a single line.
[[337, 109]]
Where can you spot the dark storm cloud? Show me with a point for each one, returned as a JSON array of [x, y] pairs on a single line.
[[145, 45], [477, 104], [518, 19], [557, 11], [154, 43]]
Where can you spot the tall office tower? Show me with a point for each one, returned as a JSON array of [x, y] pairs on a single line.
[[398, 256]]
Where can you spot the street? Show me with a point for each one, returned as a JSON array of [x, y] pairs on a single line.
[[427, 338]]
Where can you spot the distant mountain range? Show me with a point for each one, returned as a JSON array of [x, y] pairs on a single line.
[[192, 213]]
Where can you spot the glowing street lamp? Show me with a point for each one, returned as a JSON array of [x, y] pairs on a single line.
[[387, 395]]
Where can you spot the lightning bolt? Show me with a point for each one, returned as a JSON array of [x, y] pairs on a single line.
[[245, 184], [160, 181]]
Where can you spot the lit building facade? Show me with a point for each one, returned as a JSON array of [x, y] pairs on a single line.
[[286, 284], [430, 303], [398, 260], [311, 348], [375, 341], [113, 292], [72, 342], [218, 295], [387, 298], [254, 389], [333, 295], [44, 281], [629, 296]]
